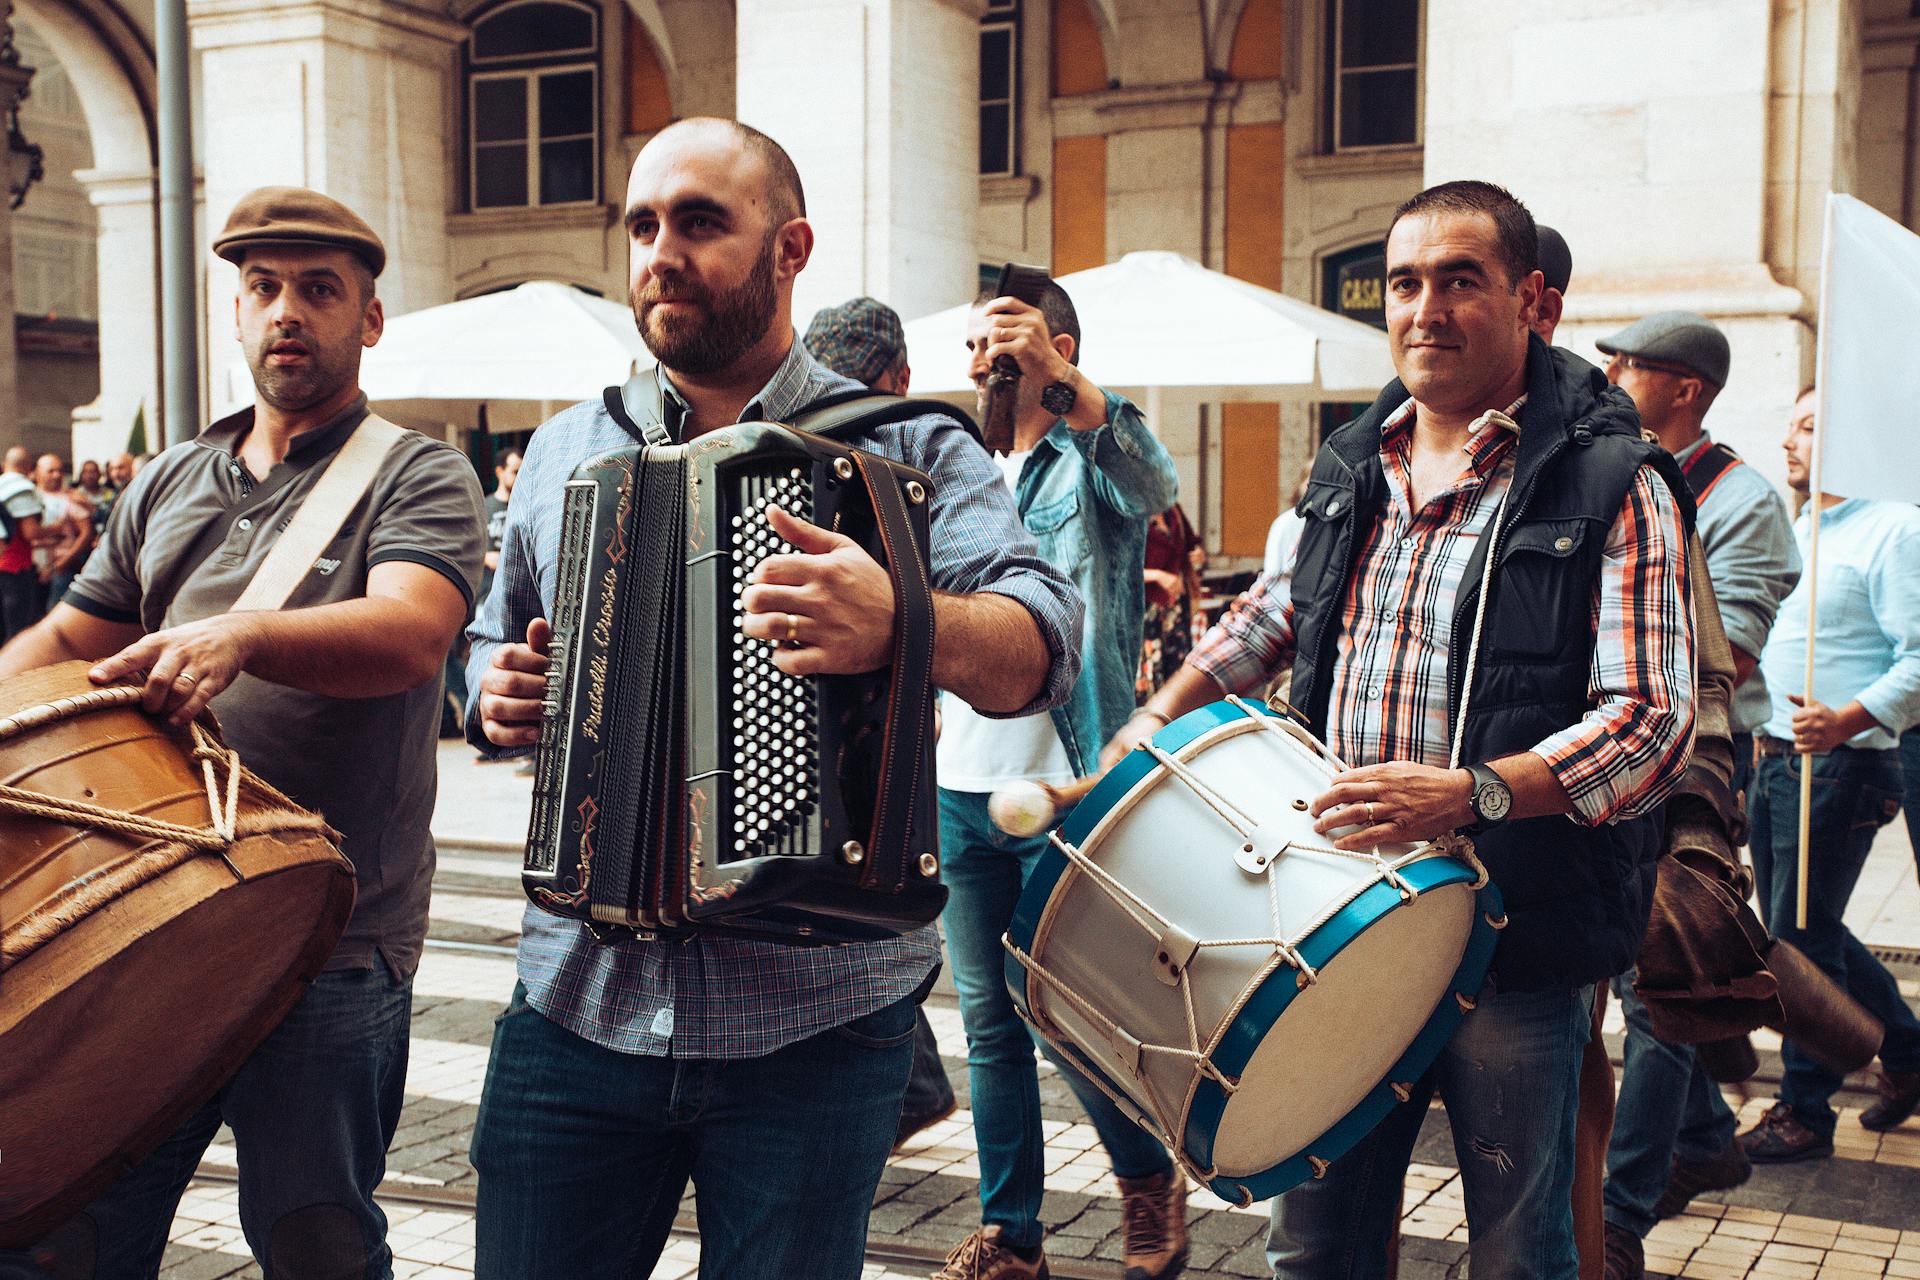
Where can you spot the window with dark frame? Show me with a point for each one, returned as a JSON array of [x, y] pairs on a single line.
[[1373, 74], [1000, 88], [533, 105]]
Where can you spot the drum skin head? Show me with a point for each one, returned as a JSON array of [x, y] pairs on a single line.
[[126, 1019], [1313, 1065]]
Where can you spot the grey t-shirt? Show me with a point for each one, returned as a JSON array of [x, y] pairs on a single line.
[[366, 764]]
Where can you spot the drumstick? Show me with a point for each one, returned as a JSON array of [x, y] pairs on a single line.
[[1027, 808]]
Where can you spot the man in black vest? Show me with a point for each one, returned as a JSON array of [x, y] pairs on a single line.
[[1577, 722]]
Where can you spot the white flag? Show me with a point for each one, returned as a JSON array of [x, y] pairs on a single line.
[[1869, 427]]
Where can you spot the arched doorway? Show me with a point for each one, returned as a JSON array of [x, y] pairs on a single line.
[[84, 239]]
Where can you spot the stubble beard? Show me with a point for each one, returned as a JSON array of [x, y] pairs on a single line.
[[292, 389], [732, 322]]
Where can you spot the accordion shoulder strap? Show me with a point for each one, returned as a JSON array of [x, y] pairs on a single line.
[[903, 744], [636, 405]]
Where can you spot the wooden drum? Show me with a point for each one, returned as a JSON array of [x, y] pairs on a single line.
[[161, 909]]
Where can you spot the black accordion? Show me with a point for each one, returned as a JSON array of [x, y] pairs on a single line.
[[683, 783]]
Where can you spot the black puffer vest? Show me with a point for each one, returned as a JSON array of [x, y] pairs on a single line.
[[1577, 897]]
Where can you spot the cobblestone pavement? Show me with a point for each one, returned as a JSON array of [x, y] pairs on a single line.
[[1854, 1216]]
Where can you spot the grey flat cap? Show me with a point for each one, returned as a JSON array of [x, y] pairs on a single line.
[[1675, 337], [1556, 260]]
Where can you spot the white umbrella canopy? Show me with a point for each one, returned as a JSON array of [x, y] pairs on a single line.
[[526, 352], [1159, 321]]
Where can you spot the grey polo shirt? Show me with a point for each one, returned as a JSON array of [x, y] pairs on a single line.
[[367, 764]]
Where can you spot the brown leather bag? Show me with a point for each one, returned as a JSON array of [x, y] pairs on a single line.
[[161, 910]]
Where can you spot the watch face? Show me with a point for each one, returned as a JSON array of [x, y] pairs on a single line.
[[1058, 399], [1493, 801]]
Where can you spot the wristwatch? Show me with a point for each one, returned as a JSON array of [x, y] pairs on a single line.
[[1058, 398], [1491, 801]]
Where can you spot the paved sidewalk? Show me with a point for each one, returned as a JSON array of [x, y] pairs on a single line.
[[1853, 1216]]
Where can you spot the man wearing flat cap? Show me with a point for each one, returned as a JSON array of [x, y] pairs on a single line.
[[333, 697], [862, 339], [1673, 1133]]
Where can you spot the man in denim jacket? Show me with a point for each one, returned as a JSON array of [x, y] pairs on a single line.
[[1087, 476]]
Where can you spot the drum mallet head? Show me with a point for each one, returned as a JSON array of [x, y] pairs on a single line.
[[1022, 808]]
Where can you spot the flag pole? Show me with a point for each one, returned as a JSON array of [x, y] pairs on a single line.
[[1822, 350]]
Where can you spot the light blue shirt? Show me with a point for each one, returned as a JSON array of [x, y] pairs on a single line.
[[1867, 646], [1752, 563]]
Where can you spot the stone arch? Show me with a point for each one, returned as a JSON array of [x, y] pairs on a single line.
[[1152, 42], [1067, 79], [112, 69], [1231, 20], [106, 54]]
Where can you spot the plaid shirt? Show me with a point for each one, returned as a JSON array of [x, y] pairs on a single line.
[[722, 997], [1388, 696]]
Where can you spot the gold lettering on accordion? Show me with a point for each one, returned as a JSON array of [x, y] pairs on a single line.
[[602, 632]]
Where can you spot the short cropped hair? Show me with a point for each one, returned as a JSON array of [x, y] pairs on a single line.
[[1055, 305], [1518, 236], [785, 197]]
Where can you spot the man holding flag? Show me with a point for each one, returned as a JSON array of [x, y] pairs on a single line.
[[1866, 687]]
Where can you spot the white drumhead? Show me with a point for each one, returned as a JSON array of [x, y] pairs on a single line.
[[1337, 1039]]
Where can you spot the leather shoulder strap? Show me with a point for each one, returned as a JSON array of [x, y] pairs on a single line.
[[322, 512], [851, 412], [636, 405]]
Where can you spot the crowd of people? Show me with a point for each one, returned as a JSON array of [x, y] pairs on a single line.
[[50, 519], [1506, 518]]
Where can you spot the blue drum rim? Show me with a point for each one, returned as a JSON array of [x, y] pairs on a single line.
[[1270, 1001]]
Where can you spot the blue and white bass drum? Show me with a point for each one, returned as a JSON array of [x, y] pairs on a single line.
[[1254, 997]]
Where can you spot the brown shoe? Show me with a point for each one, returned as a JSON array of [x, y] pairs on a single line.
[[912, 1124], [1781, 1138], [1689, 1178], [1154, 1215], [1899, 1098], [986, 1255], [1626, 1255]]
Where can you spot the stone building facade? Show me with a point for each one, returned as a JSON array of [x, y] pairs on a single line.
[[1682, 146]]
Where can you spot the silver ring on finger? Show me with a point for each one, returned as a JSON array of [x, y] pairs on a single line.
[[184, 678], [1371, 820]]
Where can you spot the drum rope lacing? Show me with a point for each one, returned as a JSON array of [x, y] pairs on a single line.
[[207, 752], [177, 842]]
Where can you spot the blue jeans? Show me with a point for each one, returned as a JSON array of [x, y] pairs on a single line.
[[1854, 794], [583, 1152], [1910, 776], [984, 869], [1668, 1108], [1510, 1078], [929, 1092], [313, 1110]]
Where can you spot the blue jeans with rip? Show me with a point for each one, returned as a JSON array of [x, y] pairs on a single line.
[[313, 1110], [1668, 1107], [1510, 1079], [984, 869], [1855, 793], [583, 1152]]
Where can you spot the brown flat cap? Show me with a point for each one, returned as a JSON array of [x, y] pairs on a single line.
[[295, 215]]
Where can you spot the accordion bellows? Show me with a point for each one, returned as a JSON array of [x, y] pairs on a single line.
[[683, 783]]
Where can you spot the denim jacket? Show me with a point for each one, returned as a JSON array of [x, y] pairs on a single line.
[[1086, 497]]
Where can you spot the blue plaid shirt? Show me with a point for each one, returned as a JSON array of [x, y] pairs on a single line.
[[724, 997]]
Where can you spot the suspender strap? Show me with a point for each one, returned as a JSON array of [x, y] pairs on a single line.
[[1706, 466], [321, 513], [910, 697]]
